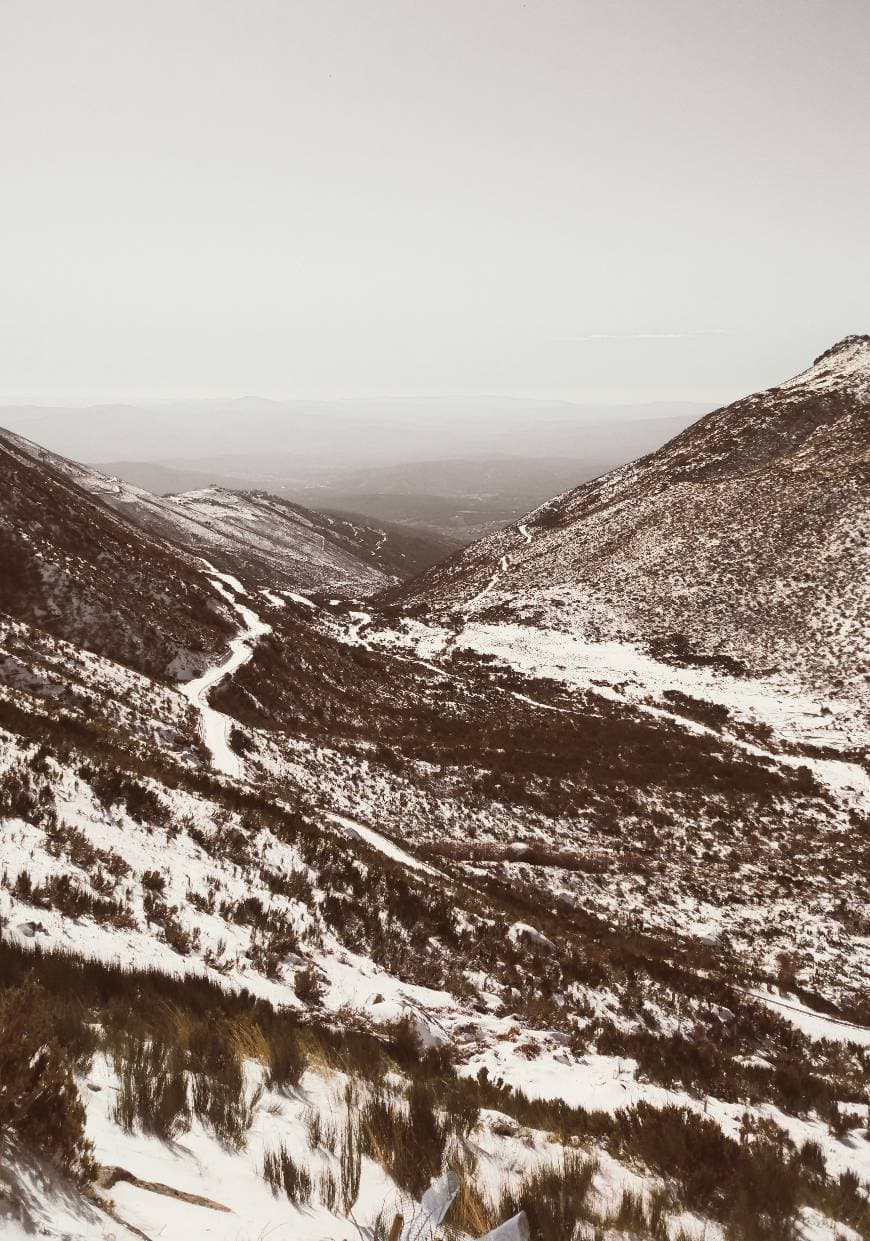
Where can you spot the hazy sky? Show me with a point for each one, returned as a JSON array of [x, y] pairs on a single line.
[[618, 200]]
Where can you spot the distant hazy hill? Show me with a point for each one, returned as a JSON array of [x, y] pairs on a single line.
[[165, 480], [221, 436]]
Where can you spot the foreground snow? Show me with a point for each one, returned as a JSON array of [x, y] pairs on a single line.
[[200, 1188]]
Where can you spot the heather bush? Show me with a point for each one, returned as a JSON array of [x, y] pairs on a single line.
[[219, 1092], [308, 986], [349, 1160]]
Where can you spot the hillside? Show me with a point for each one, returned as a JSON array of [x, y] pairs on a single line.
[[400, 951], [271, 540], [744, 539], [71, 566]]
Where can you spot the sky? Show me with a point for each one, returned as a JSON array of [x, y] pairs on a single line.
[[624, 201]]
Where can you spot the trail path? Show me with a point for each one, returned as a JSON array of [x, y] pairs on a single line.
[[491, 585], [214, 725], [504, 565]]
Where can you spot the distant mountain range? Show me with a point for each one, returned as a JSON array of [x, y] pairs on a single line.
[[455, 498], [447, 503], [269, 441]]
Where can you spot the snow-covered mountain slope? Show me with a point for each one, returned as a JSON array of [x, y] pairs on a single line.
[[271, 541], [374, 895], [71, 566], [745, 539]]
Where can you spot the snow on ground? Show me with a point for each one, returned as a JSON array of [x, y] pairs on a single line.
[[274, 599], [539, 1062], [297, 598], [623, 672], [539, 1066], [487, 590], [351, 980], [52, 668], [35, 1201], [623, 667], [197, 1164], [848, 360]]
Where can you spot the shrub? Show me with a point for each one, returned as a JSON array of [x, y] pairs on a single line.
[[112, 787], [61, 892], [313, 1127], [749, 1185], [39, 1102], [553, 1197], [327, 1189], [286, 1059], [225, 1107], [152, 1088], [409, 1144], [308, 986], [280, 1171], [220, 1097], [177, 935], [460, 1106], [23, 886], [630, 1216], [75, 1032], [350, 1155]]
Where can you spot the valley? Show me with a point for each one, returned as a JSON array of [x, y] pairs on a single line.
[[546, 863]]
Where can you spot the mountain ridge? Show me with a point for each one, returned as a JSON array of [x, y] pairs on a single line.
[[270, 539]]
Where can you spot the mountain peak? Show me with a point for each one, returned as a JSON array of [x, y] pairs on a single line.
[[846, 365], [850, 346]]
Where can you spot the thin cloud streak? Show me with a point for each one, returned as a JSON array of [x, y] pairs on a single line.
[[591, 336]]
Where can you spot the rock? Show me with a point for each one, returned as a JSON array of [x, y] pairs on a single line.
[[522, 931]]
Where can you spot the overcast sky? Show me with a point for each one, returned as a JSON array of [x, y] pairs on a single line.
[[609, 200]]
